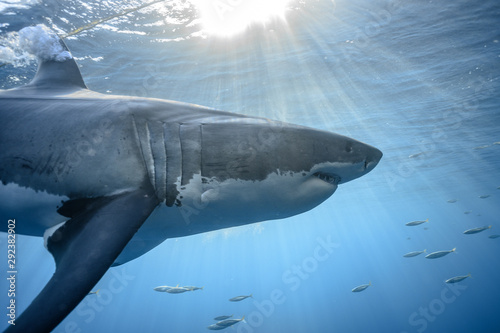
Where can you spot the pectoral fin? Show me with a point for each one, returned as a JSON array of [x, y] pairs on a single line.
[[84, 248]]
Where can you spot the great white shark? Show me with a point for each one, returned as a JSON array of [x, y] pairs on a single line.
[[107, 178]]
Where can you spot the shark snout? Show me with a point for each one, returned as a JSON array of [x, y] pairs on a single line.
[[358, 161], [373, 156], [338, 159]]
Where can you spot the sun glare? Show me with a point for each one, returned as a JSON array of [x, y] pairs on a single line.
[[230, 17]]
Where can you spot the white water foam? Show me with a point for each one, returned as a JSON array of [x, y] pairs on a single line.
[[22, 48], [43, 43], [11, 52]]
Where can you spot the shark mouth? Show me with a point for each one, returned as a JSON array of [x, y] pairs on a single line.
[[328, 177]]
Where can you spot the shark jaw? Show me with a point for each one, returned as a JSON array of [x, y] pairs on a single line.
[[132, 172]]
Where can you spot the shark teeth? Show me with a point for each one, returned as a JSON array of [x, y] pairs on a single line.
[[327, 177]]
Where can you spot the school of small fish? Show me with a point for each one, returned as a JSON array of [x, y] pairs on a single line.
[[440, 254], [223, 321]]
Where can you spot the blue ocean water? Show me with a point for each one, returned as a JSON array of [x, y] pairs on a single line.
[[418, 80]]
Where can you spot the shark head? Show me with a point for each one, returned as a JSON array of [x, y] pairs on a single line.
[[107, 178], [278, 169]]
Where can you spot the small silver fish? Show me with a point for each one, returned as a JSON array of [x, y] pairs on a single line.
[[229, 322], [94, 292], [476, 230], [439, 254], [361, 287], [239, 298], [191, 288], [484, 196], [215, 327], [416, 155], [414, 223], [220, 325], [457, 278], [171, 290], [452, 200], [494, 236], [177, 290], [413, 254]]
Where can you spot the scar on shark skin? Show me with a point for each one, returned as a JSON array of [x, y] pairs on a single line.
[[126, 188]]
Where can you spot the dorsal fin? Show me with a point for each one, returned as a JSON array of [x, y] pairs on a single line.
[[54, 74]]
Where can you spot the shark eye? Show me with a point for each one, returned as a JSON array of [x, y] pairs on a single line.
[[348, 148]]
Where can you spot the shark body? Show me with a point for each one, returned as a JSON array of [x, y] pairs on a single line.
[[106, 178]]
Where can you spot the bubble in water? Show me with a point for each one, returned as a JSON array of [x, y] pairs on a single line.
[[42, 43]]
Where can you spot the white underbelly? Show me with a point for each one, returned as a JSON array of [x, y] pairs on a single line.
[[34, 211]]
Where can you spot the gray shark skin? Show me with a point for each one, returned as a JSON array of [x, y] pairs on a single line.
[[106, 178]]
